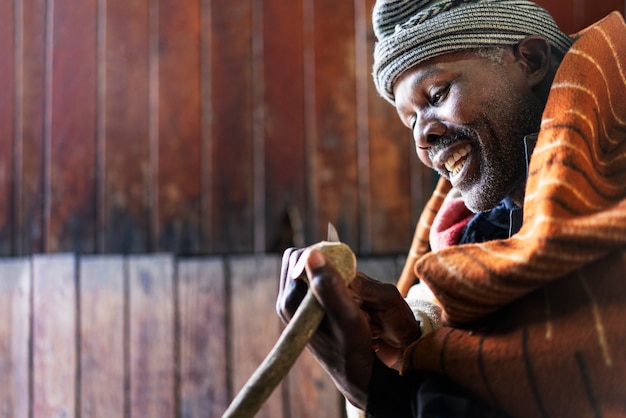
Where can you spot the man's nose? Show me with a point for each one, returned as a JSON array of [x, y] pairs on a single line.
[[427, 131]]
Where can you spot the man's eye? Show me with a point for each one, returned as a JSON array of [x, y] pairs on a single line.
[[439, 95]]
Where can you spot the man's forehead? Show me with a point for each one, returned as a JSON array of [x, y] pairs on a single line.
[[433, 67]]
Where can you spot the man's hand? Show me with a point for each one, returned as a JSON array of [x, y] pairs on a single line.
[[392, 323], [366, 317], [342, 343]]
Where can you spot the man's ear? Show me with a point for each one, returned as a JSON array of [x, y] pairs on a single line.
[[535, 55]]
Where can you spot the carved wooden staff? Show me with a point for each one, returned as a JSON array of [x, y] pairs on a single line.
[[295, 336]]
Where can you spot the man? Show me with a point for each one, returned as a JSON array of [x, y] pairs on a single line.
[[532, 318]]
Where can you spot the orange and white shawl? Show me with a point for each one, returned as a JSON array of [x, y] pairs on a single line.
[[536, 324]]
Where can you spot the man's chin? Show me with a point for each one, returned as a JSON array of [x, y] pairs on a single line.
[[479, 202]]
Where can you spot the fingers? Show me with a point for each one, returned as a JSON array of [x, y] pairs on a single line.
[[290, 291], [373, 293], [331, 291], [389, 355]]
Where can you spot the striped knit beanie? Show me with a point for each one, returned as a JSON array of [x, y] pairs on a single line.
[[411, 31]]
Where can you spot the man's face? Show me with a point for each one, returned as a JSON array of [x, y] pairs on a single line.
[[468, 115]]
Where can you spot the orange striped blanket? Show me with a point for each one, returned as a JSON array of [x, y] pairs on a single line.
[[540, 318]]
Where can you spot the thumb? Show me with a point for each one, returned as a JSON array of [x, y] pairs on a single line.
[[330, 288]]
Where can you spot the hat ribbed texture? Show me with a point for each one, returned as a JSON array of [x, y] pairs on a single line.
[[411, 31]]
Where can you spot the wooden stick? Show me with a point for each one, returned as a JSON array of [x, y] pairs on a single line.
[[279, 361], [293, 339]]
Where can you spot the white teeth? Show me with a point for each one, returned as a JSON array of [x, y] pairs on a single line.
[[453, 165]]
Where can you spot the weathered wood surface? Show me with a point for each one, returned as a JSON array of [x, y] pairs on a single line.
[[55, 336], [208, 127], [15, 311], [102, 296], [254, 322], [204, 358], [149, 335]]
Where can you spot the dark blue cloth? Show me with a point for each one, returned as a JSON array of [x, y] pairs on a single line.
[[500, 222]]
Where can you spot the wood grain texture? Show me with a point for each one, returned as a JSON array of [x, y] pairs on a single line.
[[574, 15], [30, 196], [254, 326], [102, 345], [391, 168], [177, 158], [285, 164], [151, 336], [15, 309], [71, 189], [125, 137], [55, 357], [211, 127], [203, 338], [230, 151], [594, 11], [331, 89], [311, 393], [7, 124]]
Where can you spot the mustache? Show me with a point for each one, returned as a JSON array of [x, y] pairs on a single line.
[[452, 137]]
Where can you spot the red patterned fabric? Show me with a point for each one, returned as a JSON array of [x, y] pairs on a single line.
[[448, 225]]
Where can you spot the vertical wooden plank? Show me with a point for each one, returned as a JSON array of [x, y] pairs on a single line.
[[206, 125], [101, 281], [126, 158], [390, 153], [574, 15], [258, 130], [230, 151], [32, 166], [594, 11], [179, 176], [254, 324], [7, 126], [285, 182], [562, 11], [15, 285], [71, 193], [361, 110], [334, 169], [151, 336], [54, 336], [202, 331], [311, 392]]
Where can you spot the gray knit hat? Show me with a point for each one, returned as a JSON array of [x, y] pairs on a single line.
[[411, 31]]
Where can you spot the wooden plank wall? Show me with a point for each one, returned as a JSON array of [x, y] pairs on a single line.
[[203, 127], [148, 336]]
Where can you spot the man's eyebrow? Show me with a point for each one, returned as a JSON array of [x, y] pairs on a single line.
[[425, 74]]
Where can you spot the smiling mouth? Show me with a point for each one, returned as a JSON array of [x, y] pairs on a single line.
[[457, 161]]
